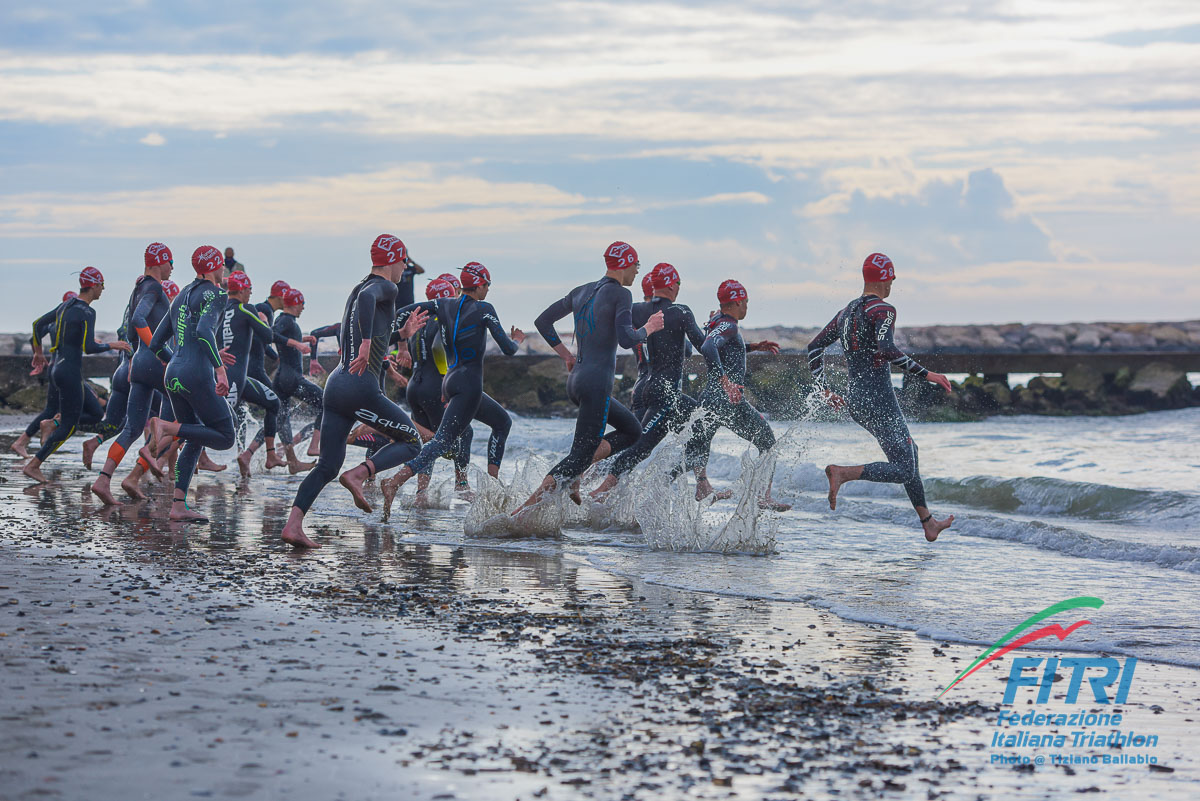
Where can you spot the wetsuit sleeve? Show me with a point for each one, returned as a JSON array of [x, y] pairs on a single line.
[[206, 325], [507, 346], [42, 326], [883, 316], [716, 339], [90, 345], [162, 335], [627, 335], [403, 315], [261, 331], [693, 332], [546, 320], [140, 319], [816, 348], [326, 331]]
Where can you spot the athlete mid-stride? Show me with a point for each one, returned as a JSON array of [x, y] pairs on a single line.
[[464, 324], [353, 394], [724, 404], [289, 378], [74, 335], [602, 315], [195, 376], [242, 324], [42, 326], [866, 328], [147, 306], [664, 405]]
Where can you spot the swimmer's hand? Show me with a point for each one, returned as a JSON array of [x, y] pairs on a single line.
[[766, 346], [566, 355], [39, 363], [395, 374], [516, 335], [120, 345], [296, 344], [834, 400], [654, 324], [226, 357], [402, 358], [416, 321], [732, 391], [310, 339], [222, 382], [315, 368], [358, 365], [941, 381]]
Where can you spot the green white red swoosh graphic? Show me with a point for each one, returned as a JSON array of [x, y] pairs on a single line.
[[1006, 643]]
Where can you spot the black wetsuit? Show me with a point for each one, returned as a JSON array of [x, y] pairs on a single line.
[[349, 398], [43, 326], [464, 324], [190, 377], [602, 315], [289, 378], [725, 355], [256, 368], [241, 326], [146, 389], [74, 335], [666, 407], [424, 391], [866, 329]]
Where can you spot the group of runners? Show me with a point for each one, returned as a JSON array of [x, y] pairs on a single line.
[[193, 358]]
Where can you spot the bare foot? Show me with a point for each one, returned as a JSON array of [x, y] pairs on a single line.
[[704, 489], [293, 534], [573, 493], [420, 501], [296, 466], [46, 429], [313, 449], [837, 477], [773, 505], [181, 514], [89, 450], [933, 527], [600, 494], [102, 490], [274, 461], [465, 492], [133, 487], [33, 471], [20, 447], [390, 486], [206, 463], [547, 484], [243, 461], [145, 455], [354, 483]]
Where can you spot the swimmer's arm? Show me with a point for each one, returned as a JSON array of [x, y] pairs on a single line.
[[711, 349], [627, 335], [546, 320], [816, 348], [41, 327], [140, 319], [694, 334], [90, 345], [884, 317], [507, 345], [402, 315], [206, 325], [162, 335]]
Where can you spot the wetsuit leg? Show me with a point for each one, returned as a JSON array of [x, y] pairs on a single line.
[[661, 419], [348, 400], [70, 405], [118, 401], [749, 424], [47, 412], [136, 415], [890, 430], [262, 396], [492, 415], [205, 422], [464, 394], [92, 413], [590, 391], [627, 427], [697, 450]]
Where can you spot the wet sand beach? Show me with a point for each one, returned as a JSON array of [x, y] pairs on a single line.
[[145, 659]]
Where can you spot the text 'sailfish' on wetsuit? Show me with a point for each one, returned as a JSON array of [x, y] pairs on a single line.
[[240, 327], [424, 391], [289, 378], [146, 369], [464, 324], [866, 329], [190, 378], [667, 408], [725, 355], [73, 331], [602, 315], [349, 398]]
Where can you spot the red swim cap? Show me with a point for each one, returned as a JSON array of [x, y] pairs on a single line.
[[206, 259], [171, 288], [664, 275], [731, 291], [68, 295], [157, 253], [387, 249], [440, 288], [620, 256], [278, 288], [293, 297], [475, 274], [648, 284], [877, 268], [238, 281], [89, 277], [452, 278]]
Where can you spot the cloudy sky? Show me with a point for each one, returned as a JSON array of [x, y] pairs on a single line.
[[1020, 161]]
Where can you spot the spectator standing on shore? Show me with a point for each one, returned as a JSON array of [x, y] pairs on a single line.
[[232, 265], [866, 328]]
